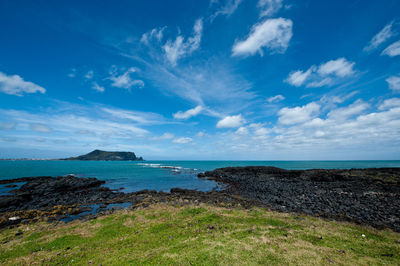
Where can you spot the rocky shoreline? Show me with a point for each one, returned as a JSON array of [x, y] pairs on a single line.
[[366, 196], [57, 198]]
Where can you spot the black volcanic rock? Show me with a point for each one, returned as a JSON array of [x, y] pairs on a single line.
[[55, 198], [369, 196], [98, 155], [41, 192]]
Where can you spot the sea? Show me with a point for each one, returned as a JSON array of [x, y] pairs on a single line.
[[130, 176]]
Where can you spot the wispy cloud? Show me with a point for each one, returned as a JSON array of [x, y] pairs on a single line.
[[276, 98], [339, 67], [143, 118], [205, 83], [15, 85], [7, 125], [381, 37], [298, 77], [272, 34], [97, 87], [392, 50], [125, 80], [40, 128], [390, 103], [231, 121], [394, 83], [299, 114], [156, 33], [89, 74], [174, 50], [189, 113], [326, 74], [269, 7], [72, 73], [166, 135], [344, 113], [227, 9], [182, 140]]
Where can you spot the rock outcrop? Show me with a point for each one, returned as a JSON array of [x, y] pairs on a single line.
[[369, 196]]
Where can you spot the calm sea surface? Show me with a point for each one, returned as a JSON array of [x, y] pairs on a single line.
[[158, 175]]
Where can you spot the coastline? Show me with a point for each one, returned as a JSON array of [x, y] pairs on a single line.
[[365, 196]]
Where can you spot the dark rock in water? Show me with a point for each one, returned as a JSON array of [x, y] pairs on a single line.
[[46, 191], [22, 179], [63, 184], [98, 155], [13, 200], [369, 196]]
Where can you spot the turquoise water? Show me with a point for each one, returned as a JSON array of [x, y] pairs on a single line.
[[159, 175]]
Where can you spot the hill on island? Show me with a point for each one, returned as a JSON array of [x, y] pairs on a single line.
[[98, 155]]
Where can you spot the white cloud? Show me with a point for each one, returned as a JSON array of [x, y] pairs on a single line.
[[166, 136], [392, 50], [212, 82], [15, 85], [320, 83], [273, 34], [394, 83], [288, 116], [231, 121], [382, 36], [97, 87], [262, 131], [200, 134], [40, 128], [189, 113], [339, 67], [326, 74], [89, 74], [7, 125], [70, 123], [269, 7], [297, 78], [125, 80], [227, 9], [182, 140], [345, 112], [145, 118], [389, 103], [358, 135], [242, 131], [156, 33], [72, 74], [276, 98], [174, 50]]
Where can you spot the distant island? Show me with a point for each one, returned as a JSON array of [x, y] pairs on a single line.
[[98, 155]]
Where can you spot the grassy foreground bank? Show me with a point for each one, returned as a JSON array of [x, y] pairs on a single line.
[[200, 235]]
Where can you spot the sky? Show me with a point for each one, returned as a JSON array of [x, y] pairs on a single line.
[[201, 80]]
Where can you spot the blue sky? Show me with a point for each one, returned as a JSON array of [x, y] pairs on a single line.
[[218, 79]]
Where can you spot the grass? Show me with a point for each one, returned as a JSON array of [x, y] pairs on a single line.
[[199, 235]]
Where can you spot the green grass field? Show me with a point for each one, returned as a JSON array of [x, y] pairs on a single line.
[[199, 235]]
